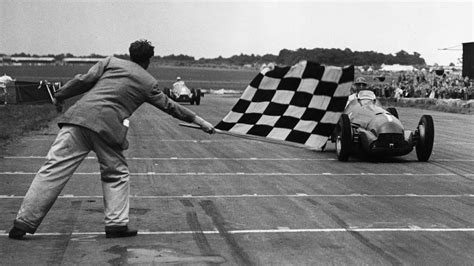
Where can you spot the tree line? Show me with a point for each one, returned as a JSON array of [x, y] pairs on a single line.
[[337, 57]]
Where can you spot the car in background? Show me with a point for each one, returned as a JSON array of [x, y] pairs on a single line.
[[181, 93], [366, 127]]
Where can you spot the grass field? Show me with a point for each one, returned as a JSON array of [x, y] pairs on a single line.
[[18, 120], [206, 78]]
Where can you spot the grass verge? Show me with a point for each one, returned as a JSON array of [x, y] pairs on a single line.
[[20, 120], [446, 106]]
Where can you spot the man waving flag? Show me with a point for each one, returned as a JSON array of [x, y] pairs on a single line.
[[300, 104]]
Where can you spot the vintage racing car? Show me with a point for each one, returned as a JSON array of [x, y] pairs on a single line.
[[181, 93], [366, 127]]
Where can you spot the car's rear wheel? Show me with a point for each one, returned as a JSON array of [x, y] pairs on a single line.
[[197, 96], [343, 138], [393, 111], [424, 146]]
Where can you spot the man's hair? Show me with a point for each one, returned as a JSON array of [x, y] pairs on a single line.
[[141, 51]]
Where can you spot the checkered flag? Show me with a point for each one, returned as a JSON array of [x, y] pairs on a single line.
[[300, 104]]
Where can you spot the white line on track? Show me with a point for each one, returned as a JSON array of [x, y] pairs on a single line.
[[159, 140], [298, 195], [189, 158], [222, 159], [279, 230], [252, 174], [153, 138]]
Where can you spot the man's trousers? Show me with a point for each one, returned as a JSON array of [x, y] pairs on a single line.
[[70, 148]]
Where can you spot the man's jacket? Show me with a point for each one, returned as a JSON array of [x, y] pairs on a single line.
[[114, 89]]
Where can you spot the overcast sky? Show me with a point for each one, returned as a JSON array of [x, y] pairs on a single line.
[[210, 29]]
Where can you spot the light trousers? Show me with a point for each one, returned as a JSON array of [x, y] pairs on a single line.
[[70, 148]]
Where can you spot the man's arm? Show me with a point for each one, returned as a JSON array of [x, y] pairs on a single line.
[[205, 126], [82, 83], [162, 102]]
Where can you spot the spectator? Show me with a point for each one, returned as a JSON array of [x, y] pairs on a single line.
[[359, 84], [4, 82]]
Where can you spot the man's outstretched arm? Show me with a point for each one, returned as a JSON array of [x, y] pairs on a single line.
[[162, 102], [82, 83]]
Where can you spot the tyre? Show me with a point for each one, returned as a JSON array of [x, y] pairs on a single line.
[[424, 146], [197, 97], [166, 91], [343, 138], [192, 99]]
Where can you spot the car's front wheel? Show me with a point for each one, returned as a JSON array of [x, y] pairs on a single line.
[[192, 99], [424, 146], [166, 91], [343, 138]]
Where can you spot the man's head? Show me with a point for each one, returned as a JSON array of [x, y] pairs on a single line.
[[366, 96], [140, 52], [360, 84]]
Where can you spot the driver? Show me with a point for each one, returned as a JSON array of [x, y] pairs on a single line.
[[179, 83], [359, 85], [366, 97]]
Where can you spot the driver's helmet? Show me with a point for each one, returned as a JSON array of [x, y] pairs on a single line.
[[366, 95], [178, 78]]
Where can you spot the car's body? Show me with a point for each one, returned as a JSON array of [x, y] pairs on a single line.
[[367, 127], [181, 93]]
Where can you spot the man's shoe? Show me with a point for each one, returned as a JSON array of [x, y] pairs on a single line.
[[115, 231], [16, 233]]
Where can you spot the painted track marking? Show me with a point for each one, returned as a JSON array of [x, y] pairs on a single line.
[[298, 195], [273, 231], [223, 159], [253, 174]]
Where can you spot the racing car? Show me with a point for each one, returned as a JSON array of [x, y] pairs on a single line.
[[181, 93], [366, 127]]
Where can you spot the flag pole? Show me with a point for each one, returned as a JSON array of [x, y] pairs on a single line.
[[251, 137]]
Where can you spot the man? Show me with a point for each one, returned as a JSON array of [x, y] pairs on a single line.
[[4, 81], [366, 97], [178, 82], [359, 85], [178, 86], [114, 89]]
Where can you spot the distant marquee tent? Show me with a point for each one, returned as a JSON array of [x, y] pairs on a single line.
[[32, 60], [48, 60], [396, 68], [81, 60]]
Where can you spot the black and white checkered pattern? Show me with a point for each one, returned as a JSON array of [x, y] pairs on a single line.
[[300, 103]]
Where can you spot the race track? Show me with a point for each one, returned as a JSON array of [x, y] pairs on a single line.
[[216, 199]]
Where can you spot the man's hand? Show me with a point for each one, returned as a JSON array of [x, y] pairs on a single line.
[[208, 128], [205, 126]]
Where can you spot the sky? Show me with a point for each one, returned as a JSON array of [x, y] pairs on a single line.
[[209, 29]]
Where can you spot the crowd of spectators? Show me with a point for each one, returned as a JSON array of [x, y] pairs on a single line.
[[437, 84]]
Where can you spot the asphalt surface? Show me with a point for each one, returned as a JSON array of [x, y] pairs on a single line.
[[216, 199]]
